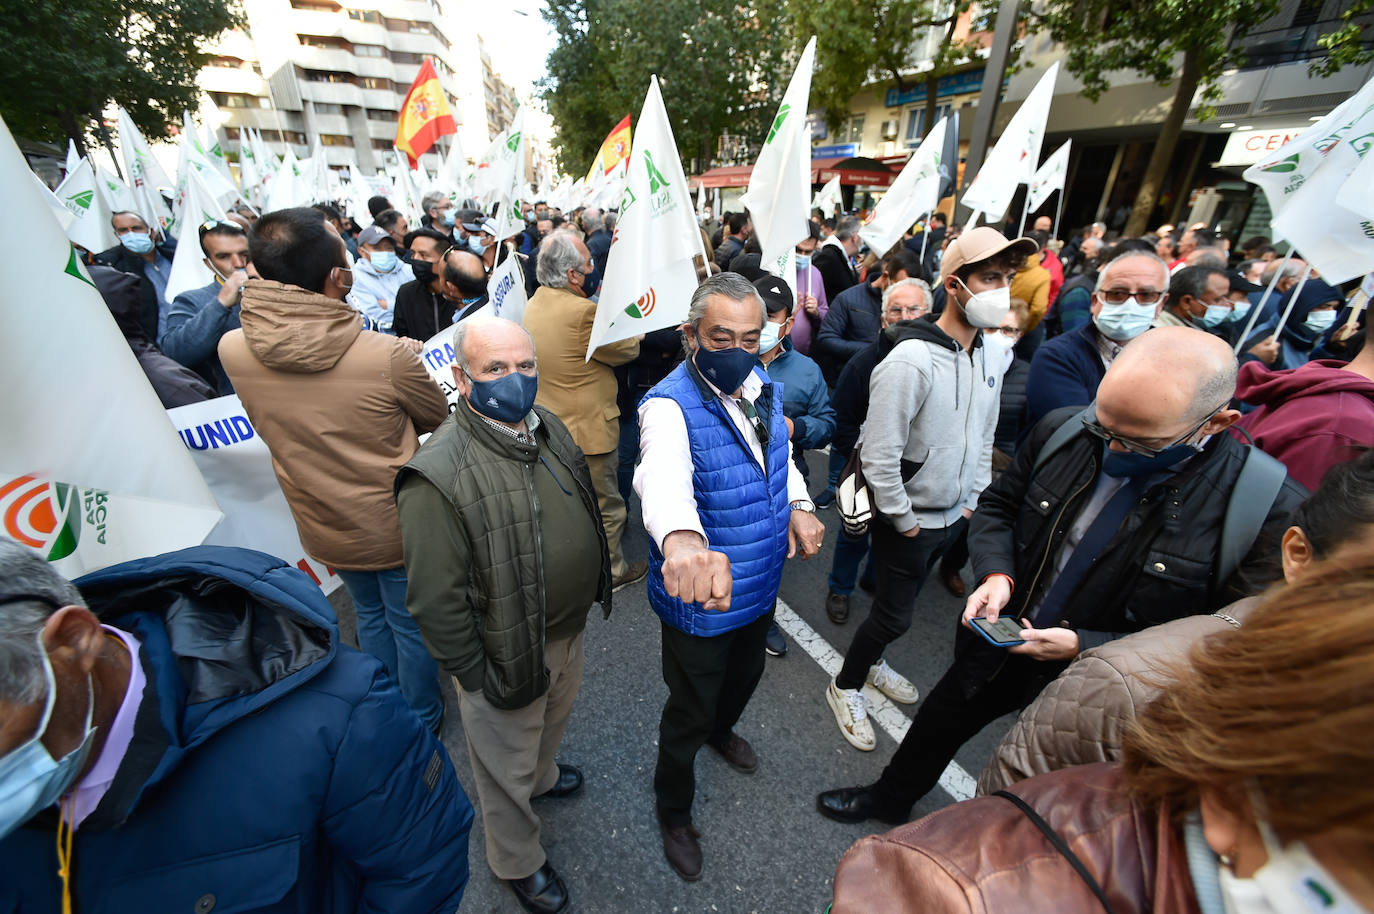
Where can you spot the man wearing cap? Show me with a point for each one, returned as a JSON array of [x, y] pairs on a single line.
[[805, 402], [927, 456], [378, 275]]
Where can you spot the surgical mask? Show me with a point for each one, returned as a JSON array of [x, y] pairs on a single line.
[[448, 217], [509, 398], [999, 350], [1215, 314], [137, 242], [725, 368], [423, 270], [803, 261], [986, 308], [475, 244], [1318, 322], [1127, 464], [1125, 321], [769, 337], [1240, 309], [383, 261], [30, 779], [1290, 881]]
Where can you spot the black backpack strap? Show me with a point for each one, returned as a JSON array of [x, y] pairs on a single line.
[[1066, 432], [1259, 483], [1061, 846]]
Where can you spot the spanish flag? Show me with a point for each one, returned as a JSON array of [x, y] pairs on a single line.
[[614, 150], [425, 116]]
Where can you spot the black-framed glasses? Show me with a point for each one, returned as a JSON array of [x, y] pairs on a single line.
[[1098, 430], [1119, 296]]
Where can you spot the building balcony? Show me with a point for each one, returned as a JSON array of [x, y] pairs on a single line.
[[338, 93], [331, 123], [237, 81]]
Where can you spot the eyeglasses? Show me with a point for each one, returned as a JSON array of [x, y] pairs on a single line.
[[212, 224], [1013, 332], [1119, 296], [1098, 430]]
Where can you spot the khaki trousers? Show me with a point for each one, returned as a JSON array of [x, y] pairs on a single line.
[[512, 754], [604, 468]]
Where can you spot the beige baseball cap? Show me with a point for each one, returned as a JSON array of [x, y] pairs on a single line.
[[980, 244]]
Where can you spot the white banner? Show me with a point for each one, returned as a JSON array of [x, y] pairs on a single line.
[[238, 468], [506, 289], [93, 473], [915, 193], [146, 175], [90, 226], [1013, 160], [1050, 177]]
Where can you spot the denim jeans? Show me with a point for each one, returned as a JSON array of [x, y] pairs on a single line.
[[849, 553], [387, 632], [837, 462]]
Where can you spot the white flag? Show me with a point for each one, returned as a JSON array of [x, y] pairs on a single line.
[[1336, 240], [487, 179], [250, 174], [780, 182], [192, 154], [146, 175], [1357, 193], [1050, 177], [1013, 160], [90, 225], [506, 289], [651, 270], [73, 159], [1282, 172], [453, 173], [828, 197], [91, 471], [915, 193], [286, 188], [407, 197], [188, 264], [510, 172], [63, 215], [119, 197]]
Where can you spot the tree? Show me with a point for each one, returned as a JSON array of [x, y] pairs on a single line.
[[867, 40], [65, 63], [1347, 45], [1149, 36], [720, 69]]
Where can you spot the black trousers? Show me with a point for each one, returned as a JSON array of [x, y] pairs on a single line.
[[901, 565], [948, 718], [710, 680]]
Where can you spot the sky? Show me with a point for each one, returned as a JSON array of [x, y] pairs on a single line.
[[518, 39]]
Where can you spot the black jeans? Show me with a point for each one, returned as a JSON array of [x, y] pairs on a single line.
[[901, 564], [947, 719], [709, 680]]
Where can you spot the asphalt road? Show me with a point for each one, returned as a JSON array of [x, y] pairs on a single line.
[[766, 848]]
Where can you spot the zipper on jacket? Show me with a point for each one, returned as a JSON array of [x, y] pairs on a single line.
[[538, 550], [1049, 547]]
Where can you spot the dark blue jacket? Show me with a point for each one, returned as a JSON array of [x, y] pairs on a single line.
[[853, 322], [599, 246], [804, 400], [191, 331], [271, 768], [743, 508], [1065, 372], [126, 261]]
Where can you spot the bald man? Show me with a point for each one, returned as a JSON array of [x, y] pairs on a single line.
[[504, 542], [1116, 529]]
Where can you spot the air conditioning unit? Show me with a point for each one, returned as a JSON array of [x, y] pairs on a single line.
[[889, 130]]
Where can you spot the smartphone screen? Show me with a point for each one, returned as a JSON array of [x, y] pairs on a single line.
[[1005, 632]]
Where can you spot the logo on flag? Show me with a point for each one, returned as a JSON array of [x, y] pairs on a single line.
[[644, 306], [82, 199], [656, 180], [777, 122], [513, 141], [40, 515], [1283, 166]]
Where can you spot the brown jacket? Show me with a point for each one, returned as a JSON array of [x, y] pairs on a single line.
[[984, 856], [579, 392], [1079, 718], [339, 407]]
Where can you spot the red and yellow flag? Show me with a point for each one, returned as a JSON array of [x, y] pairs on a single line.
[[614, 150], [425, 116]]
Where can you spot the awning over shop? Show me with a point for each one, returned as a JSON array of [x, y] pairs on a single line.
[[858, 172]]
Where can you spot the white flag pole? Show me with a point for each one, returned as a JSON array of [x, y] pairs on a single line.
[[1255, 311], [925, 236], [1293, 300], [1058, 209], [1025, 210]]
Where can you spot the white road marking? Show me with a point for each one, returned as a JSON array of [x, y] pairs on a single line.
[[955, 781]]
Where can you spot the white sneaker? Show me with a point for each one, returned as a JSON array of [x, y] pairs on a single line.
[[852, 716], [891, 683]]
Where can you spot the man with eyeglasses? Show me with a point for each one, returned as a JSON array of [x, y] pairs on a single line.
[[1198, 297], [1131, 290], [197, 318], [1117, 527]]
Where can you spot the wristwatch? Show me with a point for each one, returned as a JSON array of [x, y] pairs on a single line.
[[803, 504]]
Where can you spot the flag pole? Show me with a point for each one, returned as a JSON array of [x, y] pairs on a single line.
[[1025, 210], [1058, 210], [925, 236], [1293, 300], [1254, 312]]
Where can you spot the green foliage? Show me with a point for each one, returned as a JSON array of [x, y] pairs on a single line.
[[66, 62], [1347, 45], [720, 67]]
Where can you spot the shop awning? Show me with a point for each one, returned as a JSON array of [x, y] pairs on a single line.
[[856, 171]]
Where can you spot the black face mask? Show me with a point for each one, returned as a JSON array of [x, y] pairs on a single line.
[[423, 270]]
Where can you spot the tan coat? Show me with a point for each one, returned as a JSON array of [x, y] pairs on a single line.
[[579, 392], [340, 408], [1079, 718]]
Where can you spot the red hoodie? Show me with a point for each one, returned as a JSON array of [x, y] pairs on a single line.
[[1311, 418]]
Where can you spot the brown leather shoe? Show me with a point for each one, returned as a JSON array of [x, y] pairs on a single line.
[[681, 848], [837, 608], [953, 583], [737, 752], [633, 575]]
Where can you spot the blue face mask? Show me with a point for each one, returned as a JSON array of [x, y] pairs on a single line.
[[1318, 322], [507, 399], [137, 242], [769, 337], [1126, 463], [448, 218], [1125, 321], [475, 244], [1214, 315], [30, 779], [383, 261], [725, 368], [1240, 309]]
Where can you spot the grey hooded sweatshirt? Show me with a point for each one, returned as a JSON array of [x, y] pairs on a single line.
[[927, 443]]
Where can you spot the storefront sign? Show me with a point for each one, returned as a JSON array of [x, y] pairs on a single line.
[[956, 84], [1247, 147], [843, 151]]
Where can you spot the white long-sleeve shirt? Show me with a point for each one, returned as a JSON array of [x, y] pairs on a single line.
[[663, 477]]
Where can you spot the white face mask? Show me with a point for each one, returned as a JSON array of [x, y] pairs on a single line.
[[769, 337], [1291, 882], [987, 308], [999, 347]]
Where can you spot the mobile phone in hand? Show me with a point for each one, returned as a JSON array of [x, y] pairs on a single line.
[[1005, 632]]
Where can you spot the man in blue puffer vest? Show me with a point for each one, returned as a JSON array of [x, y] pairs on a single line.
[[186, 733], [724, 505]]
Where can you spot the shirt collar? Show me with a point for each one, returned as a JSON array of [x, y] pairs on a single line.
[[525, 437]]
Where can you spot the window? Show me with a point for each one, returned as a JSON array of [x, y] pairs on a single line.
[[335, 139], [314, 5], [328, 108], [320, 41], [327, 76], [238, 100], [384, 145], [374, 82], [231, 63], [377, 114], [231, 133], [421, 28], [405, 57], [916, 122], [365, 16], [853, 132], [369, 50]]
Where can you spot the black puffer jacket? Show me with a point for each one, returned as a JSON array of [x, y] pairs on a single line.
[[1160, 565]]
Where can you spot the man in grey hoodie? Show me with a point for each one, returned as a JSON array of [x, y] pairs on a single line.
[[927, 455]]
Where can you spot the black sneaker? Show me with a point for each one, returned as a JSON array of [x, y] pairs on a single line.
[[774, 643], [825, 499]]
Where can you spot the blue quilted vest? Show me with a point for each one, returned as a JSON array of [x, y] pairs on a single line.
[[743, 510]]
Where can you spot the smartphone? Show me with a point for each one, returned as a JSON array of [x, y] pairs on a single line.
[[1005, 632]]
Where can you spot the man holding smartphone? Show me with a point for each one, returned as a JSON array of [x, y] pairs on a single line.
[[191, 328], [1116, 529]]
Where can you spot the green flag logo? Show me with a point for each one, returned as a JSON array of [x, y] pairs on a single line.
[[83, 198], [656, 180], [513, 142], [1283, 166], [777, 123], [43, 515]]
